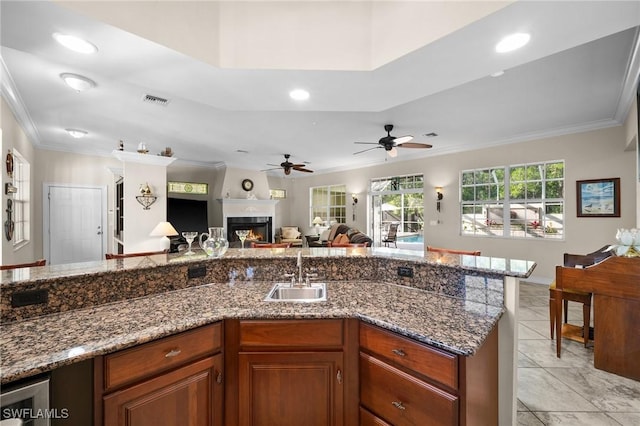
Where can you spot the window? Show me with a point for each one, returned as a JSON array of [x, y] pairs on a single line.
[[400, 200], [329, 203], [21, 200], [521, 201]]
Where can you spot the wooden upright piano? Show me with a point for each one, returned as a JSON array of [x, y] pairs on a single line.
[[615, 284]]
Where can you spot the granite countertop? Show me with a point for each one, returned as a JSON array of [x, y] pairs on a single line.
[[44, 343], [485, 264]]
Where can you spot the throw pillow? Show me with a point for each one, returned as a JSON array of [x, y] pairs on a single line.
[[325, 235], [290, 232], [341, 239]]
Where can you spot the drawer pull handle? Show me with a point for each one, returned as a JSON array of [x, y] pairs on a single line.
[[172, 353], [399, 352], [398, 405], [339, 376]]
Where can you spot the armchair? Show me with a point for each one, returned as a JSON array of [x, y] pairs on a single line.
[[291, 235]]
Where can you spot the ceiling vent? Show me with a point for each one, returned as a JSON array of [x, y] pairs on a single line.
[[156, 100]]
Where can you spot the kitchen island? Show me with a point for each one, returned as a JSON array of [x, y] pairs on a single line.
[[449, 302]]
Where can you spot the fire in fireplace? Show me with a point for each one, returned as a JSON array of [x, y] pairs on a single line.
[[260, 229]]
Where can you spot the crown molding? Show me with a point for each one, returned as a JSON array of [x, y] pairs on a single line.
[[16, 105]]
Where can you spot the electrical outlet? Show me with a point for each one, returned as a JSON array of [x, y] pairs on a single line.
[[29, 297], [405, 271], [197, 272]]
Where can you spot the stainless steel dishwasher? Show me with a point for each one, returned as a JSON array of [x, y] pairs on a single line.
[[27, 401]]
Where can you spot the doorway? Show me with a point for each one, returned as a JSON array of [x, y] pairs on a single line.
[[74, 223]]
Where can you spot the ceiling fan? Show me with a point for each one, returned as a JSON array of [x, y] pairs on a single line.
[[390, 143], [287, 166]]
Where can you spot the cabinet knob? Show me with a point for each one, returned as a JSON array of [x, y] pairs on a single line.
[[172, 353], [339, 376], [398, 405], [219, 377], [399, 352]]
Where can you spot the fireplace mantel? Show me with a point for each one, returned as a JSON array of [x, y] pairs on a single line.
[[246, 201], [238, 207]]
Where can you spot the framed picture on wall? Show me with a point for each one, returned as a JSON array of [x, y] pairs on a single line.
[[598, 197]]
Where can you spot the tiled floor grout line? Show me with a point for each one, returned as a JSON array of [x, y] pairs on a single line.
[[606, 390]]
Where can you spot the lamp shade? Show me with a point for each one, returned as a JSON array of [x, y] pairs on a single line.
[[163, 229], [317, 220]]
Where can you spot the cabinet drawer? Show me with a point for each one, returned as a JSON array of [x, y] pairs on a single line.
[[145, 360], [291, 334], [367, 418], [402, 399], [430, 362]]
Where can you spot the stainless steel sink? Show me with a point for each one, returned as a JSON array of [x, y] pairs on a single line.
[[283, 292]]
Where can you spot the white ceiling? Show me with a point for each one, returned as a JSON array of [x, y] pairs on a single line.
[[577, 73]]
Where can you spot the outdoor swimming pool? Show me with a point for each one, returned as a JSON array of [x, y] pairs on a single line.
[[411, 238]]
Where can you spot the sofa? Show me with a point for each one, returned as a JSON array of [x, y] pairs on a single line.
[[340, 231], [289, 234]]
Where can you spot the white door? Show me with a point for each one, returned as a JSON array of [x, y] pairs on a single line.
[[76, 222]]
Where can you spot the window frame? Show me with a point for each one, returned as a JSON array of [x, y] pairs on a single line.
[[336, 202], [21, 200], [524, 201]]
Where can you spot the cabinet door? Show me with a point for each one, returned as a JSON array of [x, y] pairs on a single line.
[[301, 388], [191, 395]]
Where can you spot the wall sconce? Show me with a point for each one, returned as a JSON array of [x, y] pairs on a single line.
[[354, 198], [146, 198], [439, 197]]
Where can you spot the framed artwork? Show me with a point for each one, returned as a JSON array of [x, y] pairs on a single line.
[[598, 197]]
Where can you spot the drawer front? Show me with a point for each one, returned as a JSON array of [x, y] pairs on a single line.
[[291, 334], [433, 363], [367, 418], [145, 360], [401, 399]]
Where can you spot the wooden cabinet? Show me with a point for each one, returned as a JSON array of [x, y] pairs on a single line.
[[291, 372], [404, 382], [171, 381]]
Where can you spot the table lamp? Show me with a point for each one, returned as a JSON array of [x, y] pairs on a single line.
[[164, 230], [317, 221]]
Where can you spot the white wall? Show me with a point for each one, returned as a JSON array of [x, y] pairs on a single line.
[[14, 137], [633, 144], [66, 168], [589, 155]]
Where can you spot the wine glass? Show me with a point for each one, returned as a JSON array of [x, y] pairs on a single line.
[[242, 234], [189, 236]]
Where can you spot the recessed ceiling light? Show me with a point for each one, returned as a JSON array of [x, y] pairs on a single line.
[[76, 133], [75, 43], [77, 82], [299, 94], [512, 42], [497, 74]]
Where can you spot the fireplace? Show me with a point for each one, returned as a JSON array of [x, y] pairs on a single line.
[[260, 228]]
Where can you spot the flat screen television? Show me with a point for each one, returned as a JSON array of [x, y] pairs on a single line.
[[187, 215]]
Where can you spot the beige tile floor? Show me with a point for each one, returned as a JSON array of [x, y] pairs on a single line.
[[568, 390]]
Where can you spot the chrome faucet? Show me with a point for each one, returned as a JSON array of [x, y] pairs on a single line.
[[299, 265]]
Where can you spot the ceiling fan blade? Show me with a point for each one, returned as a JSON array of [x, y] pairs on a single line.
[[368, 149], [298, 165], [302, 169], [268, 170], [402, 139], [414, 145], [393, 152], [367, 143], [273, 165]]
